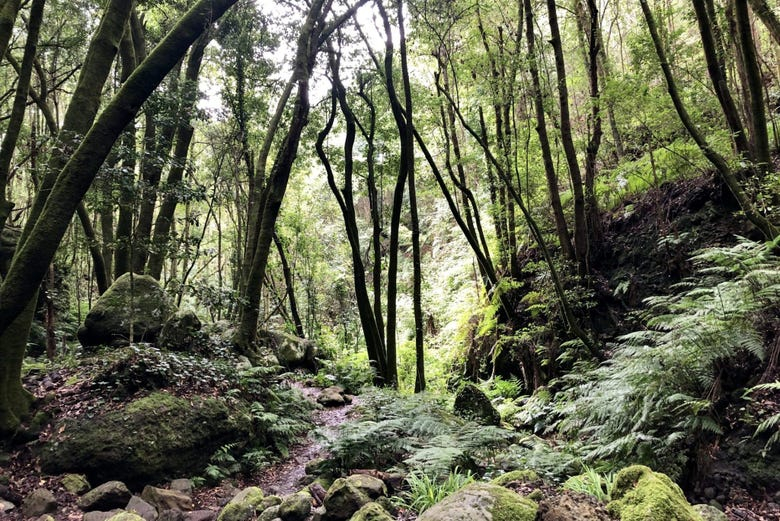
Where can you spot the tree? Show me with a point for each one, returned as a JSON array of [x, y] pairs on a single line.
[[57, 203]]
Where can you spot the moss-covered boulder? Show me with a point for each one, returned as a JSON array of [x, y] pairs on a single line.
[[180, 332], [471, 403], [639, 494], [290, 350], [482, 502], [140, 300], [570, 506], [371, 486], [371, 512], [147, 441], [295, 507], [243, 506], [525, 475], [343, 500]]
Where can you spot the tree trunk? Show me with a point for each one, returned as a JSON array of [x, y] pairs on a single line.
[[768, 17], [289, 283], [44, 233]]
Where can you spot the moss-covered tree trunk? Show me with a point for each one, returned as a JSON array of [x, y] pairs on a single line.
[[42, 235]]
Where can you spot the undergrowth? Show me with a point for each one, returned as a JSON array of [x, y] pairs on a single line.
[[425, 491]]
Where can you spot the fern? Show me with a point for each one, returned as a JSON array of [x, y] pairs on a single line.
[[654, 398], [770, 424]]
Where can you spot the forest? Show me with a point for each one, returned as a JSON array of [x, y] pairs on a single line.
[[380, 260]]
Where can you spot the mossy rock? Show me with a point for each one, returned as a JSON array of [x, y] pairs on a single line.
[[371, 512], [243, 506], [136, 444], [525, 475], [471, 403], [639, 494], [142, 302], [126, 516], [343, 500], [180, 332], [482, 502]]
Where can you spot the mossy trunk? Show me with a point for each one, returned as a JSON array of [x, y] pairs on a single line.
[[15, 400]]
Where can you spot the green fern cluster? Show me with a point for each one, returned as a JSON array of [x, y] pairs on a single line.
[[654, 398], [425, 491], [417, 432]]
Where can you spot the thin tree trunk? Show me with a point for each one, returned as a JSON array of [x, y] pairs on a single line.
[[289, 283], [768, 17]]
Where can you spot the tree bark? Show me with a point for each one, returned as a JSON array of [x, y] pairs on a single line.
[[289, 283], [768, 17]]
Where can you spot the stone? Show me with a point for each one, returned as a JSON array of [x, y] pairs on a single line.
[[40, 501], [373, 487], [125, 516], [270, 501], [343, 500], [291, 351], [482, 502], [570, 506], [141, 300], [371, 512], [180, 332], [639, 494], [142, 508], [710, 513], [318, 514], [135, 444], [332, 396], [45, 517], [10, 495], [164, 499], [109, 495], [171, 515], [97, 515], [75, 483], [182, 485], [472, 404], [269, 514], [6, 506], [526, 475], [200, 515], [243, 506], [295, 507]]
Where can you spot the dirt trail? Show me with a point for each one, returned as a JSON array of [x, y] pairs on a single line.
[[284, 477]]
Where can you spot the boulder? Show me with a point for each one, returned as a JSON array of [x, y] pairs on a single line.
[[125, 516], [243, 506], [109, 495], [164, 499], [295, 507], [371, 512], [135, 444], [75, 483], [40, 501], [142, 508], [371, 486], [98, 515], [526, 475], [569, 506], [180, 332], [471, 403], [482, 502], [6, 506], [639, 494], [269, 514], [200, 515], [291, 351], [710, 513], [182, 485], [145, 304], [332, 396], [343, 500]]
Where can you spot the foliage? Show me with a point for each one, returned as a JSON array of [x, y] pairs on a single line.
[[417, 432], [592, 482], [349, 370], [653, 401], [552, 462], [425, 491], [772, 423], [498, 387]]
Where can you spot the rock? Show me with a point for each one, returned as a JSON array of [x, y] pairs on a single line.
[[373, 487], [180, 332], [10, 495], [135, 443], [332, 396], [639, 494], [97, 515], [6, 506], [164, 499], [471, 403], [125, 516], [270, 501], [295, 507], [526, 475], [482, 502], [182, 485], [75, 483], [200, 515], [572, 506], [318, 514], [109, 495], [40, 501], [142, 508], [343, 500], [108, 322], [171, 515], [269, 514], [243, 506], [371, 512], [45, 517], [710, 513], [291, 351]]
